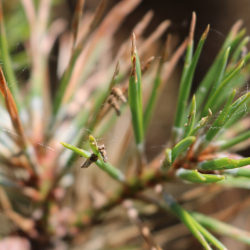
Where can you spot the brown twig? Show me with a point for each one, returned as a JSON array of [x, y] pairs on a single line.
[[11, 107], [27, 225], [144, 230], [76, 20], [192, 29], [134, 185]]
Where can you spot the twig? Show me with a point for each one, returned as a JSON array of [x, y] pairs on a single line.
[[144, 230]]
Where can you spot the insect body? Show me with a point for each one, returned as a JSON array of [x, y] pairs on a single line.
[[93, 158], [118, 93], [103, 152], [115, 95], [89, 161], [113, 103]]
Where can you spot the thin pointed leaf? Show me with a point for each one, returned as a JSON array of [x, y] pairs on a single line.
[[13, 112], [154, 36], [155, 91], [114, 78], [221, 72], [191, 117], [236, 105], [174, 60], [101, 97], [240, 105], [98, 15], [76, 20], [203, 121], [186, 218], [146, 65], [238, 51], [190, 46], [223, 164], [158, 83], [236, 82], [10, 105], [196, 177], [182, 146], [243, 110], [177, 132], [239, 172], [210, 104], [108, 168], [8, 68], [234, 141], [93, 145], [135, 96], [143, 23], [232, 182], [231, 41], [222, 228], [246, 57], [186, 82], [208, 236], [220, 121], [76, 53], [112, 84], [190, 175], [189, 53]]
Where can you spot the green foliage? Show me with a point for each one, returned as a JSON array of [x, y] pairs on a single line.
[[195, 176], [92, 93], [186, 82], [135, 95]]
